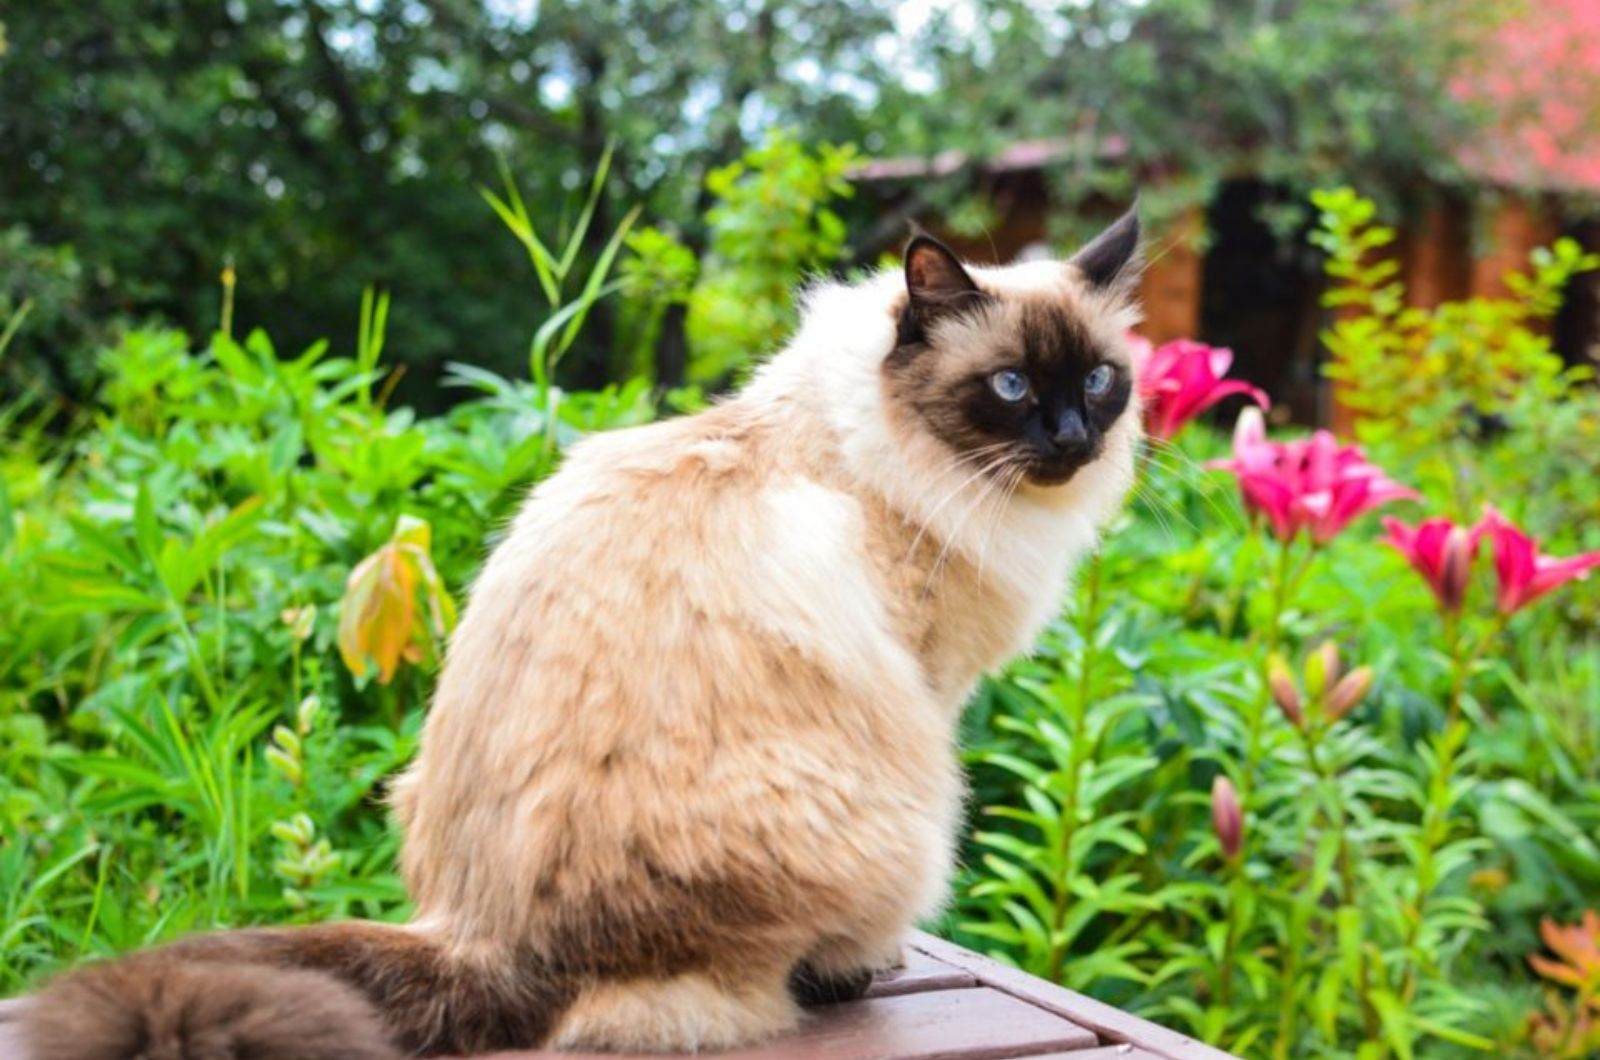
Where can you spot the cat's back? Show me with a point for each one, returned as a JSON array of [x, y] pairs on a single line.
[[647, 495], [687, 543]]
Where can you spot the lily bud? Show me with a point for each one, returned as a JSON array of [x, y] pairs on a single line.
[[1455, 568], [1322, 668], [1284, 692], [1348, 693], [300, 620], [305, 715], [1227, 819]]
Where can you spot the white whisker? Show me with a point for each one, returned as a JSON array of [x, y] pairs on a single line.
[[1018, 473], [973, 455], [1168, 457], [989, 488]]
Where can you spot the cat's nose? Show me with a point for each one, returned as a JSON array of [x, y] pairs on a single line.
[[1071, 433]]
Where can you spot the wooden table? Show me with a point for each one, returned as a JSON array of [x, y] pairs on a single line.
[[947, 1003]]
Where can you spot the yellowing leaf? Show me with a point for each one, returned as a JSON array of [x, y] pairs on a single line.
[[382, 621]]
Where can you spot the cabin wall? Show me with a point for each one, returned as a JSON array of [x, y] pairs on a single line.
[[1216, 273]]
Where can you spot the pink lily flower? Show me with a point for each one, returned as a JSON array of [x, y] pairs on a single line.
[[1312, 484], [1181, 379], [1524, 575], [1255, 464], [1441, 552]]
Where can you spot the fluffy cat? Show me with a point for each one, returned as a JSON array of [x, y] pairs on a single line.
[[691, 762]]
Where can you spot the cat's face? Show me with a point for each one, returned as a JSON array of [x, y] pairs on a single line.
[[1026, 378]]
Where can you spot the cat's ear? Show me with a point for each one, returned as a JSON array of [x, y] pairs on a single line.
[[1111, 260], [936, 282]]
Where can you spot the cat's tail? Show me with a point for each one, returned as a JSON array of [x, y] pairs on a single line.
[[347, 991]]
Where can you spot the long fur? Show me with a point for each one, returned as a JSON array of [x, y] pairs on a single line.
[[692, 754], [164, 1009], [353, 991]]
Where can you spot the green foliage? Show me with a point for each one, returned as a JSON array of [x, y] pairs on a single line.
[[42, 286], [182, 745], [553, 266], [1470, 393], [1424, 374], [1402, 842], [1200, 91], [226, 578], [326, 146], [771, 227], [657, 277], [1380, 848]]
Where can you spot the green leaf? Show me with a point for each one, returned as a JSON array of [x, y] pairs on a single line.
[[1396, 1021], [8, 518], [1451, 1034], [1350, 933]]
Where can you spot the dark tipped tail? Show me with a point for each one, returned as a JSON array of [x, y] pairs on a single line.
[[155, 1006], [353, 991]]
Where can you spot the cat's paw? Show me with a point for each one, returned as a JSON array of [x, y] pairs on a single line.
[[892, 960], [812, 986]]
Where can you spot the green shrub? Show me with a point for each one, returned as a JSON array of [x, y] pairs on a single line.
[[226, 578], [183, 746], [1395, 861], [771, 228]]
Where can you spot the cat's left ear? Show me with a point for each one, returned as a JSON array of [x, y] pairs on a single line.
[[1111, 260], [936, 281]]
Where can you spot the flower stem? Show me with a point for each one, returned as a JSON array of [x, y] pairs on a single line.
[[1435, 830], [1345, 861], [1287, 1008], [1230, 940], [1238, 582], [1282, 584], [1088, 618], [1460, 664]]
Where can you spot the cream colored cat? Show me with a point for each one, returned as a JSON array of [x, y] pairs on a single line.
[[692, 758]]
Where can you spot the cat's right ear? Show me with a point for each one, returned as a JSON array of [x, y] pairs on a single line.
[[1110, 261], [936, 283]]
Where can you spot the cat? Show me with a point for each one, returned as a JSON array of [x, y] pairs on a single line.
[[691, 762]]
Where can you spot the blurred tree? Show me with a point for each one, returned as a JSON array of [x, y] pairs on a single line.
[[323, 146], [41, 292], [1177, 94], [326, 145], [300, 142]]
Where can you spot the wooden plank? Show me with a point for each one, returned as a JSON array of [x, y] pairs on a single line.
[[943, 1025], [1104, 1052], [1112, 1024], [920, 974], [974, 1024], [10, 1032]]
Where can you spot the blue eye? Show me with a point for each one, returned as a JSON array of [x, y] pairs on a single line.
[[1099, 381], [1010, 385]]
